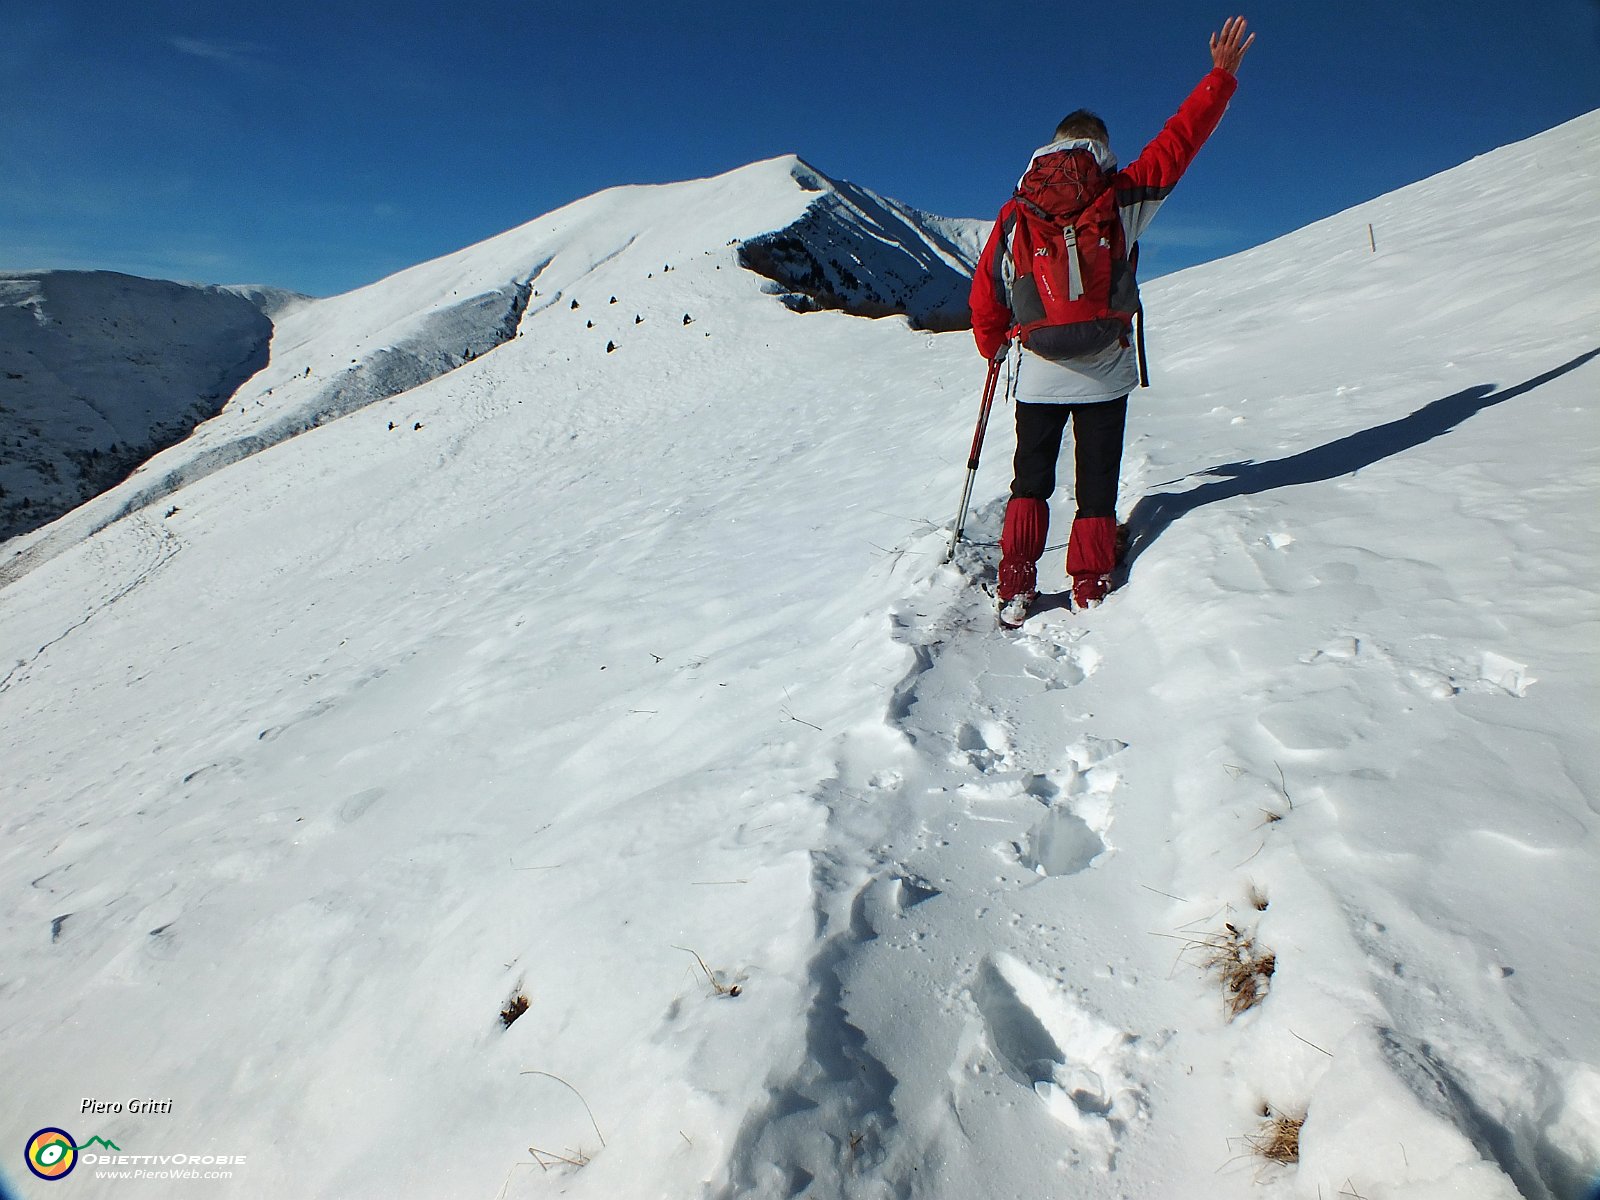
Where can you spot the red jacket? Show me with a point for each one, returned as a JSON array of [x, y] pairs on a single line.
[[1140, 188]]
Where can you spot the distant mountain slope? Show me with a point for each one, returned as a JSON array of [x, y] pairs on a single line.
[[98, 371]]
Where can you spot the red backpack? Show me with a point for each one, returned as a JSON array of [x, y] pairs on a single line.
[[1073, 291]]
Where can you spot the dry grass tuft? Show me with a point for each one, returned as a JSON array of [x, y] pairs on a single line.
[[1257, 898], [732, 990], [1278, 1140], [1273, 815], [514, 1008], [1243, 967], [547, 1159]]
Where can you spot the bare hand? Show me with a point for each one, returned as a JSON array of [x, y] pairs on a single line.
[[1226, 47]]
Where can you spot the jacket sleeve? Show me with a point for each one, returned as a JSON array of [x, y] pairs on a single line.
[[1144, 183], [991, 317]]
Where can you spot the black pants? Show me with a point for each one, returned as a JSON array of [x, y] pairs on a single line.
[[1097, 447]]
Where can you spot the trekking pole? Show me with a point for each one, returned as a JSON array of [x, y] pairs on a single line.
[[977, 449], [1138, 325], [1138, 345]]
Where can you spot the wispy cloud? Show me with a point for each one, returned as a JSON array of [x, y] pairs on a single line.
[[166, 262], [236, 54], [1191, 235]]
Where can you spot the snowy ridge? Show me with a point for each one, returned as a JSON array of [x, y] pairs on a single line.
[[274, 301], [336, 356], [612, 679]]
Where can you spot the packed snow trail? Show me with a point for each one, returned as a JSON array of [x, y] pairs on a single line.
[[949, 1023]]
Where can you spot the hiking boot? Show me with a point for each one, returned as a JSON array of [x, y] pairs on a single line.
[[1013, 612], [1089, 590]]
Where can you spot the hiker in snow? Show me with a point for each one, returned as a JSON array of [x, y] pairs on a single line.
[[1056, 278]]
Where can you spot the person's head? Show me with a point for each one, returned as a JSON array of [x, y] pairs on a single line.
[[1082, 124]]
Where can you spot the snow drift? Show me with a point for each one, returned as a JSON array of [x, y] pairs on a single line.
[[617, 667]]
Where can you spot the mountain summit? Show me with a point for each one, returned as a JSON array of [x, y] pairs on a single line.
[[854, 251]]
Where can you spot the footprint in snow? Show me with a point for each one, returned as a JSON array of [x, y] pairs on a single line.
[[885, 899], [1449, 676], [1070, 837], [982, 744], [1339, 650], [356, 806], [1060, 844], [1059, 664], [1489, 673], [1091, 751], [1048, 1042]]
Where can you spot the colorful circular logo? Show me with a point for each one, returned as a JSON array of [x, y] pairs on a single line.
[[51, 1154]]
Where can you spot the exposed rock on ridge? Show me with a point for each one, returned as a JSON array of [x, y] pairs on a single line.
[[857, 252]]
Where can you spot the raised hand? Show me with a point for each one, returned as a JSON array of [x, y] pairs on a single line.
[[1227, 48]]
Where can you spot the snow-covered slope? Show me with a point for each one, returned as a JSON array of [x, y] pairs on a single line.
[[332, 357], [99, 370], [615, 680]]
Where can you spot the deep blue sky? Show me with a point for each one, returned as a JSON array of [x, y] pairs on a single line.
[[320, 146]]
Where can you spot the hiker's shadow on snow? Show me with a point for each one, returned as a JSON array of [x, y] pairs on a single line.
[[1344, 456]]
